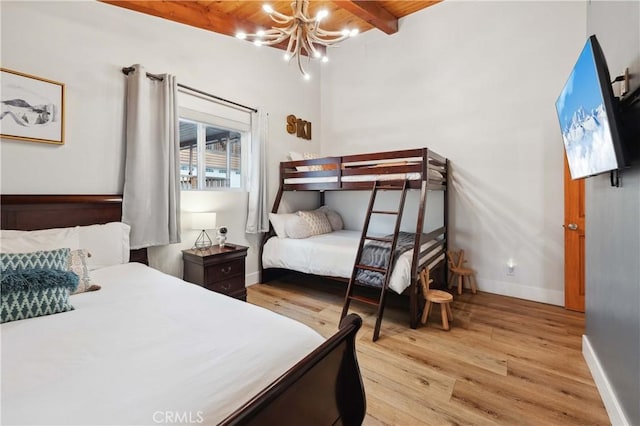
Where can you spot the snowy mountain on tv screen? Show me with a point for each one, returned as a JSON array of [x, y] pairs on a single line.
[[588, 142]]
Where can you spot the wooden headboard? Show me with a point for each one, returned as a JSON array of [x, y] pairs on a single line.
[[33, 212]]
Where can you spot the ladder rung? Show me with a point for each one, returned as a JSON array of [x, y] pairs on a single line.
[[365, 300], [384, 240], [371, 268], [384, 212]]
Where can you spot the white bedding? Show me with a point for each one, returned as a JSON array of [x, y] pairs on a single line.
[[331, 254], [145, 345]]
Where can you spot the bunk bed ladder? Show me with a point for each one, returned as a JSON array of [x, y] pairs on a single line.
[[386, 272]]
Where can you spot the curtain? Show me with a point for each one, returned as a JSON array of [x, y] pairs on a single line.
[[257, 215], [151, 196]]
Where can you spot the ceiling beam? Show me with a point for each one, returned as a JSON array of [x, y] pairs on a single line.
[[373, 13], [191, 13]]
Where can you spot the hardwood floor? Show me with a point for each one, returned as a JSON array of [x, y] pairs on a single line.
[[505, 361]]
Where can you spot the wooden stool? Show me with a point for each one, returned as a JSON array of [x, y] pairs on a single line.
[[435, 296], [456, 262]]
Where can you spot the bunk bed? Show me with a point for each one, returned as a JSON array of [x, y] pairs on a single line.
[[419, 169]]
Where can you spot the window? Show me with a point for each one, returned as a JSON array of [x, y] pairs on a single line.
[[212, 154]]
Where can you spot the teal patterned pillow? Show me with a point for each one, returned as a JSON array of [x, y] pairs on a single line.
[[52, 259], [35, 292]]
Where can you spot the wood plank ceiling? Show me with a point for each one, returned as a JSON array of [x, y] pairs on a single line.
[[229, 17]]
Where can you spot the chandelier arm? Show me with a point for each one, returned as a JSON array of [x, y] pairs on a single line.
[[290, 51], [280, 18], [325, 33], [327, 42], [300, 64], [311, 45]]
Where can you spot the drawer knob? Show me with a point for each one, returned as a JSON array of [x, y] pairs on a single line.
[[226, 270], [226, 286]]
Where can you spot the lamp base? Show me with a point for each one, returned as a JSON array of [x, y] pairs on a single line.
[[203, 241]]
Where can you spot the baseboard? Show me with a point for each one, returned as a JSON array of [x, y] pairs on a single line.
[[252, 278], [614, 409], [537, 294]]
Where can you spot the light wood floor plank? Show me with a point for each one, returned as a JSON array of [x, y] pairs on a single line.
[[505, 361]]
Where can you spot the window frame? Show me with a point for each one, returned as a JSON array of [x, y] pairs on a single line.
[[202, 119]]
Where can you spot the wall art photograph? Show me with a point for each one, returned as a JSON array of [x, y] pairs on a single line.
[[32, 108]]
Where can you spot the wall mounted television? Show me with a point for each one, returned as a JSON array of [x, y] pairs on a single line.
[[589, 116]]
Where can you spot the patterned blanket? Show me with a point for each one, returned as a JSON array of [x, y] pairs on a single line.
[[376, 254]]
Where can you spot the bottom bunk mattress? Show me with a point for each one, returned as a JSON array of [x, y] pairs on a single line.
[[145, 349], [332, 255]]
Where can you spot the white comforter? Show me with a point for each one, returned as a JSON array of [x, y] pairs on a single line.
[[331, 254], [146, 349]]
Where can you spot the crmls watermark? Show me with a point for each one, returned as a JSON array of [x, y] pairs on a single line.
[[178, 417]]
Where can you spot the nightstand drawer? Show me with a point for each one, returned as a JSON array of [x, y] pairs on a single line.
[[228, 286], [224, 271]]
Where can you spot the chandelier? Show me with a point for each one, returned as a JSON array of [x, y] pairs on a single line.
[[304, 33]]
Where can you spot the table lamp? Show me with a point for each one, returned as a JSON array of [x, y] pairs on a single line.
[[203, 221]]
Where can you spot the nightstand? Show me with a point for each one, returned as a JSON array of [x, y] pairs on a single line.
[[219, 269]]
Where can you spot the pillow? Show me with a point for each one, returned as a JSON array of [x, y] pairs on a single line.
[[53, 259], [334, 218], [279, 222], [46, 239], [108, 244], [35, 292], [317, 222], [297, 228], [77, 264], [297, 156]]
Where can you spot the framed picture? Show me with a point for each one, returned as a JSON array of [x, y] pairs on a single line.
[[32, 108]]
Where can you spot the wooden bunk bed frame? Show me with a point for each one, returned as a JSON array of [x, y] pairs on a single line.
[[324, 388], [431, 171]]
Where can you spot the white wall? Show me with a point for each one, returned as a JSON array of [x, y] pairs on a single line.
[[84, 45], [476, 82]]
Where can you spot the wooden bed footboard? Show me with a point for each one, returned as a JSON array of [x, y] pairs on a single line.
[[325, 388]]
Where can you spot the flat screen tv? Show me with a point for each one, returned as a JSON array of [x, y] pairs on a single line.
[[588, 114]]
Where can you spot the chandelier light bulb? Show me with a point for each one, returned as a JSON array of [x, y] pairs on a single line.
[[287, 57], [267, 8], [307, 76], [257, 42], [241, 35], [321, 14], [325, 59], [260, 33], [317, 54], [354, 32], [346, 32]]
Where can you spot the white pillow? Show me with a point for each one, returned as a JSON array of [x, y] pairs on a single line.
[[297, 156], [108, 244], [46, 239], [334, 218], [279, 222]]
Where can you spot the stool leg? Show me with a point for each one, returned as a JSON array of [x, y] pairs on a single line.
[[460, 284], [472, 282], [443, 313], [449, 313], [425, 313], [451, 275]]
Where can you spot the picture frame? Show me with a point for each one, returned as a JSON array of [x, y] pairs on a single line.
[[32, 108]]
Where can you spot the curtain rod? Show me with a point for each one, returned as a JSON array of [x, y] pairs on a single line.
[[127, 70]]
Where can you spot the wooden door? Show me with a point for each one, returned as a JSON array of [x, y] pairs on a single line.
[[574, 237]]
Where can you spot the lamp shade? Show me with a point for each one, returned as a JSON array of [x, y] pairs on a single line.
[[203, 220]]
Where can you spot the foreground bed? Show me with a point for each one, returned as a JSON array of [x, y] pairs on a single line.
[[149, 348]]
